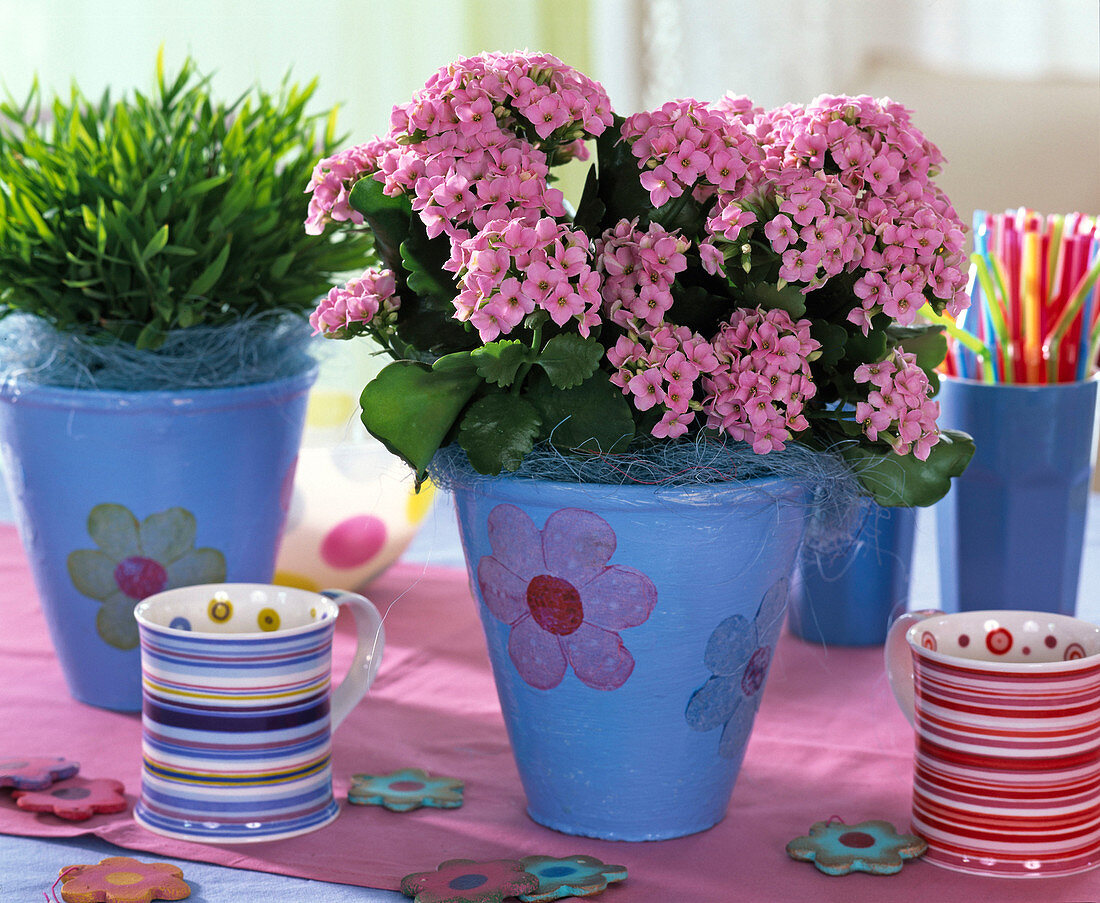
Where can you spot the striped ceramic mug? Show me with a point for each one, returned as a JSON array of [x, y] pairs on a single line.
[[238, 710], [1006, 706]]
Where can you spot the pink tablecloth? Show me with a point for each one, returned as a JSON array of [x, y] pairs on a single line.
[[828, 741]]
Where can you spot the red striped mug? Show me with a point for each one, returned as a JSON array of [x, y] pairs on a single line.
[[1006, 706]]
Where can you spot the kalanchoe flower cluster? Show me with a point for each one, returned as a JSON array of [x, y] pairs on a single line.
[[701, 150], [758, 391], [655, 363], [852, 179], [898, 409], [332, 181], [638, 270], [509, 269], [476, 143], [356, 304]]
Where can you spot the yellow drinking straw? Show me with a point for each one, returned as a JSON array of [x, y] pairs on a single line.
[[1029, 307]]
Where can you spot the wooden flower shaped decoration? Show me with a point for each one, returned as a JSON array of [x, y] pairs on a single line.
[[35, 772], [404, 790], [467, 881], [573, 876], [120, 879], [75, 799], [871, 846]]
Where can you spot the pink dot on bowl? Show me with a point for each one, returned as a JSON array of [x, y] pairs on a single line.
[[354, 541]]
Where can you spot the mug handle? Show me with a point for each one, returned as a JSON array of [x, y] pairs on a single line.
[[370, 641], [899, 659]]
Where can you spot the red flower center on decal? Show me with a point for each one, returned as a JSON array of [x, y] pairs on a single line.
[[555, 604], [140, 577], [756, 671]]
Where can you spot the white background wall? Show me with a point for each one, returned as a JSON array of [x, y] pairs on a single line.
[[1009, 89]]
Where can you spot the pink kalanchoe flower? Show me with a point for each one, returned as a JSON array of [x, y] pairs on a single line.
[[356, 304], [510, 267], [899, 410], [763, 379]]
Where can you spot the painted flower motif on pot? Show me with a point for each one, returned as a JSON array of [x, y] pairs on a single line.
[[135, 560], [563, 600], [738, 655]]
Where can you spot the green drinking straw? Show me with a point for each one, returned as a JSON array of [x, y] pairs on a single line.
[[993, 302], [962, 336], [1057, 221], [1076, 302]]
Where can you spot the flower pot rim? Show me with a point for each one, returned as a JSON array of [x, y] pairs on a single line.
[[1021, 387], [131, 401], [632, 495]]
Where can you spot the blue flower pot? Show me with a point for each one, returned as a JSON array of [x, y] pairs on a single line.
[[630, 630], [119, 495], [852, 576]]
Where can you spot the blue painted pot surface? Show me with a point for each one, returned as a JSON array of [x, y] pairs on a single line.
[[849, 586], [630, 630], [119, 495], [1011, 531]]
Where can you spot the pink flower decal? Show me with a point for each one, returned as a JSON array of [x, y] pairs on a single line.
[[564, 602]]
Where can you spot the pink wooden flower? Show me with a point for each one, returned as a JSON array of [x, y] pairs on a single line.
[[75, 799], [120, 879]]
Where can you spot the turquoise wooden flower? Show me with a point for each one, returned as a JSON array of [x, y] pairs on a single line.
[[871, 846], [405, 789], [573, 876], [467, 881]]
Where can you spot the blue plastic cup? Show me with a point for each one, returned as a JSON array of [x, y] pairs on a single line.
[[852, 578], [1011, 530]]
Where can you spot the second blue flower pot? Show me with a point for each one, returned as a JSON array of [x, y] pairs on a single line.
[[119, 495]]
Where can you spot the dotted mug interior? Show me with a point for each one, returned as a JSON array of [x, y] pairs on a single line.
[[236, 608], [1011, 637]]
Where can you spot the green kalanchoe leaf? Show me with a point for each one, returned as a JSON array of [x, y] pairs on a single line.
[[833, 339], [570, 359], [424, 277], [498, 362], [865, 349], [410, 408], [498, 431], [594, 416], [901, 480], [769, 297], [928, 343], [389, 218]]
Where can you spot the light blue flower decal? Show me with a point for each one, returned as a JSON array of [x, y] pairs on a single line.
[[738, 655], [134, 560]]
